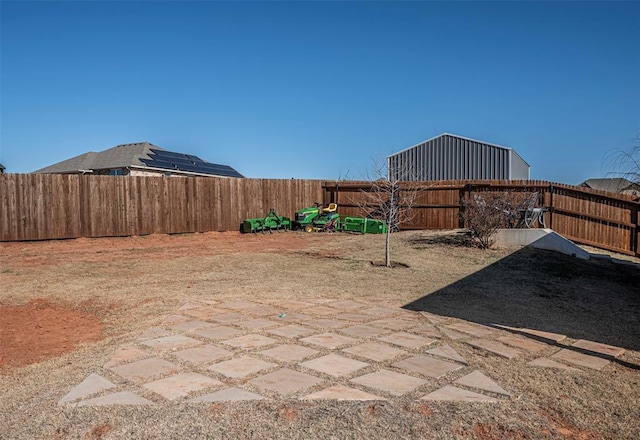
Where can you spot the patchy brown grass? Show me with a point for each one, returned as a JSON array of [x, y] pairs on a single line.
[[129, 284]]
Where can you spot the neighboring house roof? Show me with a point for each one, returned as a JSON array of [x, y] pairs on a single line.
[[616, 184], [141, 155]]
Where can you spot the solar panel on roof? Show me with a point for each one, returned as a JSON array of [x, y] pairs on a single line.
[[159, 164], [171, 155], [187, 162]]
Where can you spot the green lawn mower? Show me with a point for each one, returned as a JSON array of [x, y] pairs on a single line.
[[272, 222], [325, 220]]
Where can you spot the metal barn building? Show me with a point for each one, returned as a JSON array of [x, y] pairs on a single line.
[[452, 157]]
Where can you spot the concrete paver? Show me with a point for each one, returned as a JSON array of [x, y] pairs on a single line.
[[120, 398], [173, 342], [174, 319], [407, 340], [478, 380], [329, 340], [523, 343], [548, 363], [262, 311], [289, 352], [396, 324], [146, 369], [202, 354], [495, 347], [257, 323], [322, 311], [380, 311], [426, 330], [452, 334], [598, 347], [219, 332], [341, 392], [126, 354], [291, 331], [334, 365], [325, 323], [285, 381], [447, 352], [181, 385], [232, 394], [203, 312], [354, 317], [292, 304], [434, 319], [191, 325], [237, 305], [241, 366], [583, 360], [455, 394], [189, 306], [250, 342], [362, 331], [347, 304], [291, 316], [474, 330], [227, 318], [427, 366], [553, 337], [374, 351], [153, 333], [93, 384], [391, 382]]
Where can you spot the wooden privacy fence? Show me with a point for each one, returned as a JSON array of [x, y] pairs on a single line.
[[53, 206], [586, 216]]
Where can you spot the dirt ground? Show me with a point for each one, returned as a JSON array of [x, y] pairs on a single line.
[[65, 306]]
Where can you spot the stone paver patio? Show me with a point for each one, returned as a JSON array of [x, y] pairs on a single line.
[[321, 349]]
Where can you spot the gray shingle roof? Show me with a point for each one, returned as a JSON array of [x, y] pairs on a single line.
[[121, 156], [616, 184]]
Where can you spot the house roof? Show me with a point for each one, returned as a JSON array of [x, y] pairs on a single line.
[[142, 155], [615, 184], [465, 138]]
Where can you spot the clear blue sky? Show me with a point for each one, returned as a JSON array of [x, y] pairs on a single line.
[[319, 89]]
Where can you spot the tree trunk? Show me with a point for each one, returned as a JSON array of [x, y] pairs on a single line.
[[387, 250]]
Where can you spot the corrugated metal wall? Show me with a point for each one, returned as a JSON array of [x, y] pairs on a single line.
[[519, 168], [450, 157]]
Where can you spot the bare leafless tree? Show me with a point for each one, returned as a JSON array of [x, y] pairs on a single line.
[[626, 162], [390, 199]]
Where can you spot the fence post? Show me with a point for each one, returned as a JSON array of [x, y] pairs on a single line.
[[636, 228], [551, 190]]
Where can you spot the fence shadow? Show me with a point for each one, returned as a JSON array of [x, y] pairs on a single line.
[[596, 300]]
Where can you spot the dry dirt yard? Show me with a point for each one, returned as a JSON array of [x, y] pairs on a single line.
[[67, 306]]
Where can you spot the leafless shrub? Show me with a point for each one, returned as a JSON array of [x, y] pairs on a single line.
[[484, 213]]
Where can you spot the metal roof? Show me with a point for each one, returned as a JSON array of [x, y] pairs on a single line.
[[460, 137]]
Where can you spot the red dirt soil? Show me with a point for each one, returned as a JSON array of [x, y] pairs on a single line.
[[40, 330], [154, 247]]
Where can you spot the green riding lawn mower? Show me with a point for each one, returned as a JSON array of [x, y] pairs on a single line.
[[315, 219]]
